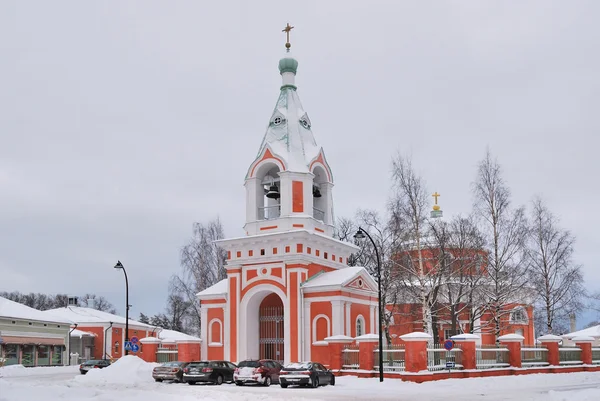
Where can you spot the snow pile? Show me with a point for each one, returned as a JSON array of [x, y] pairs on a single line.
[[22, 371], [590, 394], [129, 370]]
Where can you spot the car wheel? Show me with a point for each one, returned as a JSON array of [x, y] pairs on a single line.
[[219, 380], [283, 385], [315, 382], [268, 381], [191, 383], [332, 381], [239, 383]]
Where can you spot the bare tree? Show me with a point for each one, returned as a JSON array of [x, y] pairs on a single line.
[[97, 302], [47, 301], [557, 280], [408, 208], [203, 265], [505, 231]]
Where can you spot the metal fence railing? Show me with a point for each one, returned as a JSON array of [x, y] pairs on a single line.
[[393, 358], [350, 356], [491, 356], [166, 355], [569, 356], [596, 356], [438, 356], [532, 355], [269, 212]]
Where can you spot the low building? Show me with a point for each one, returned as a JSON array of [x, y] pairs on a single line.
[[31, 337], [593, 332]]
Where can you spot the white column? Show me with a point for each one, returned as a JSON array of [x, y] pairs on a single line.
[[307, 331], [337, 317], [373, 319], [252, 196], [204, 333], [348, 307]]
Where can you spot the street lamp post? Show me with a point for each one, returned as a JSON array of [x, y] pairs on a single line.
[[119, 265], [361, 234]]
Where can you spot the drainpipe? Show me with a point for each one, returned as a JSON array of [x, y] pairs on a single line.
[[69, 353], [105, 331]]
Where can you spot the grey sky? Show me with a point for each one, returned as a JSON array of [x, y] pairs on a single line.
[[122, 123]]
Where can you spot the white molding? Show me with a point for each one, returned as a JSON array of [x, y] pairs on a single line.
[[348, 318], [210, 339], [343, 298], [215, 345], [263, 277], [360, 318], [215, 306], [314, 326], [204, 331]]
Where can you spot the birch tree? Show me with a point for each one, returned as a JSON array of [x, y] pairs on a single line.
[[505, 231], [557, 280]]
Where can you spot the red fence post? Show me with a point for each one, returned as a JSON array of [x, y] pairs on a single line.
[[367, 344], [415, 354], [585, 343], [149, 348], [513, 343], [550, 342], [336, 345], [467, 344]]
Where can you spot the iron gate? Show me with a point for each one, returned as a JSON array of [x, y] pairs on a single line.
[[271, 333]]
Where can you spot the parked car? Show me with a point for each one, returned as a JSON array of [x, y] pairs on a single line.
[[264, 371], [215, 372], [304, 374], [93, 364], [169, 371]]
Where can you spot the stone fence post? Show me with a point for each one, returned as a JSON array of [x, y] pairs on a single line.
[[367, 344], [336, 346], [513, 343], [550, 342], [468, 344], [585, 343], [415, 355]]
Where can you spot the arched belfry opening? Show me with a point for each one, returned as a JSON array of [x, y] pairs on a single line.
[[320, 193], [271, 333], [268, 196]]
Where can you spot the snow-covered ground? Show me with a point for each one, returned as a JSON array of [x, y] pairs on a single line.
[[129, 379]]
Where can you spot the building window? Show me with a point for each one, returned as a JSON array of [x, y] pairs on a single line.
[[360, 326], [518, 316], [117, 347], [324, 255], [250, 253], [13, 322], [262, 252], [31, 324]]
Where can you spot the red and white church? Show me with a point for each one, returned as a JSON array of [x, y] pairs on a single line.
[[288, 285]]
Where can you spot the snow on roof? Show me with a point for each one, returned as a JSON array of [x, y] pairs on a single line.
[[215, 289], [593, 331], [16, 310], [172, 335], [337, 277], [81, 333], [79, 315]]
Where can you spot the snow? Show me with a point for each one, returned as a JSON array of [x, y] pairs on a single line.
[[81, 316], [129, 379], [465, 336], [511, 338], [593, 331], [22, 371], [337, 277], [550, 338], [415, 336], [16, 310], [129, 369], [583, 339], [217, 289], [339, 337], [81, 333], [367, 337]]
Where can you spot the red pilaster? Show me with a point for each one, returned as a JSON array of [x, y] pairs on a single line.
[[367, 344], [336, 346], [550, 342], [467, 343]]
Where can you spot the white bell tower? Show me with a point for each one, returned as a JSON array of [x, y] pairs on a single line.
[[289, 184]]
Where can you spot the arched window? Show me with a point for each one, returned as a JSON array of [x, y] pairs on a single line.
[[215, 332], [360, 326], [321, 327], [519, 316]]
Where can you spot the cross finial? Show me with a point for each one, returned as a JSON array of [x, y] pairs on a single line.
[[287, 30], [436, 196]]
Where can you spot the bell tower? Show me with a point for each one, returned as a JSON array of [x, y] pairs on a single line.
[[289, 183]]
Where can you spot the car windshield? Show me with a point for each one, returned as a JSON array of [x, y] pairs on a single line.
[[298, 366], [198, 364], [94, 362], [172, 364], [249, 364]]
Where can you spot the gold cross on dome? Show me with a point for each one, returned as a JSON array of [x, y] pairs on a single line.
[[436, 196], [287, 30]]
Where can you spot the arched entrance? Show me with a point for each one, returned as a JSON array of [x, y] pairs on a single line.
[[271, 328]]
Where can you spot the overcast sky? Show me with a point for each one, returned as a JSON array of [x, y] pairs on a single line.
[[122, 123]]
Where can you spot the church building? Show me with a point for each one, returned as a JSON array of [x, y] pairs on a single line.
[[288, 285]]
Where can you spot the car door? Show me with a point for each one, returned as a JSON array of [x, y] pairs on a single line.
[[230, 369], [322, 373], [272, 371]]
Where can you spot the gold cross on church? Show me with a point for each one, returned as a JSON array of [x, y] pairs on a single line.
[[436, 196], [287, 30]]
